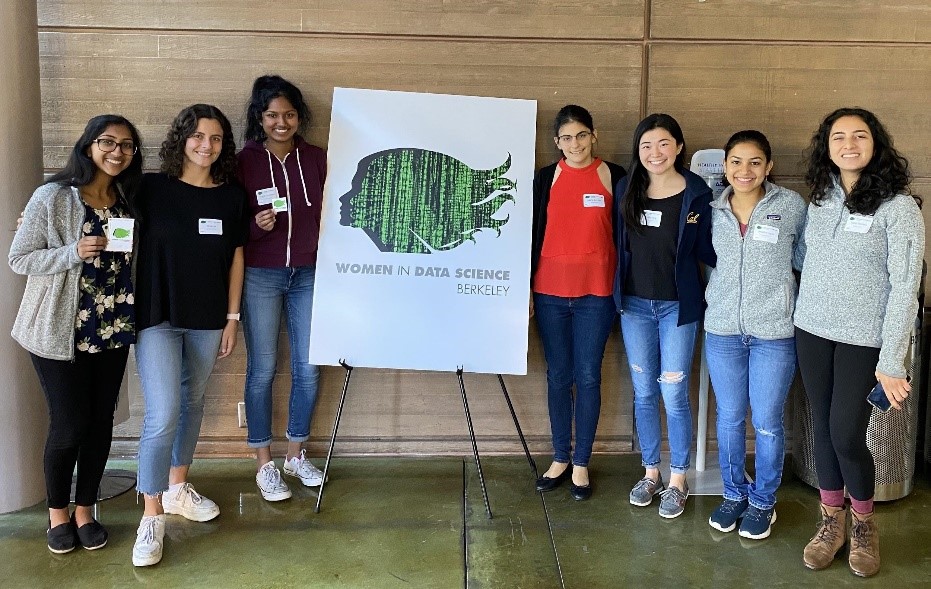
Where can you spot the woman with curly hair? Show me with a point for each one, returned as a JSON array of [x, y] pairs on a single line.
[[188, 288], [76, 318], [856, 307]]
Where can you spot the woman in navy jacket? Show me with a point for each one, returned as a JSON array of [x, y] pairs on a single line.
[[664, 232]]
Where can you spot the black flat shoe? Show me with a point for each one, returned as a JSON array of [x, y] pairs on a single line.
[[62, 538], [545, 483], [91, 535], [580, 493]]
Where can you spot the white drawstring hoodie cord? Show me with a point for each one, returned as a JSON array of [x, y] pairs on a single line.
[[300, 171]]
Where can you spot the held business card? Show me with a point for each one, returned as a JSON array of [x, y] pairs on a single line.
[[119, 234]]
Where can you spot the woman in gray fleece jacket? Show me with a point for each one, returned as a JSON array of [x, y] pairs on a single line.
[[856, 307], [76, 318], [757, 232]]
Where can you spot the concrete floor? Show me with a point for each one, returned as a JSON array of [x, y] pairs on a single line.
[[405, 522]]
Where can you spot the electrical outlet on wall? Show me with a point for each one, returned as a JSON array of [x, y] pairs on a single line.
[[241, 413]]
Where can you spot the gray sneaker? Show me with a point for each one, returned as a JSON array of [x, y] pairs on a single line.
[[642, 493], [673, 502]]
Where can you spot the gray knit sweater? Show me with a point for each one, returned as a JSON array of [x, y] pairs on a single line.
[[861, 288], [751, 290], [45, 249]]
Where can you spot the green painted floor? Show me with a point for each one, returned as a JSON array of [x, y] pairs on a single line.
[[406, 522]]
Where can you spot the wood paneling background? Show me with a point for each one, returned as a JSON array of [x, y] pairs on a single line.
[[716, 65]]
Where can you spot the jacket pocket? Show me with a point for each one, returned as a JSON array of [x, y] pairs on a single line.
[[40, 301]]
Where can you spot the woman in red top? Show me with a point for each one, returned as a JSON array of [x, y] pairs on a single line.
[[572, 272]]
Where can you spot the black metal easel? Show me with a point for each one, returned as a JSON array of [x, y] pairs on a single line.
[[468, 415]]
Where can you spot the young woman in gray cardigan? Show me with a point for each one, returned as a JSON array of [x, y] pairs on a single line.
[[750, 344], [856, 307], [76, 319]]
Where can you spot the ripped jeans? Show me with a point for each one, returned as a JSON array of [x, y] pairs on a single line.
[[660, 355], [747, 372]]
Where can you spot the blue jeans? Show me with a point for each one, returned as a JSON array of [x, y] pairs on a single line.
[[574, 332], [660, 355], [747, 372], [266, 291], [174, 365]]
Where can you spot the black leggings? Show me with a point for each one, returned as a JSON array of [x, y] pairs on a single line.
[[81, 399], [837, 379]]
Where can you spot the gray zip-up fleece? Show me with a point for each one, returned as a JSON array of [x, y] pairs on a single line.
[[861, 288], [45, 249], [751, 291]]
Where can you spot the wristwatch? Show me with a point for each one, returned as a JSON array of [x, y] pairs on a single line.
[[234, 316]]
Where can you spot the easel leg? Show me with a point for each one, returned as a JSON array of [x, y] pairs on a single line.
[[339, 413], [520, 432], [478, 462]]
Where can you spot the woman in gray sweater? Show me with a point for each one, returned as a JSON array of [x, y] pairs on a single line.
[[856, 307], [76, 319], [750, 344]]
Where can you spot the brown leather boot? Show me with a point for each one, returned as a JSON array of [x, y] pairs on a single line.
[[864, 544], [830, 538]]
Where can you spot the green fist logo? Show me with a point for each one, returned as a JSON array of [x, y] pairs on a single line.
[[278, 203], [415, 201], [121, 233]]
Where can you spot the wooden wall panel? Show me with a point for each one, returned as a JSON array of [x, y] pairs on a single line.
[[809, 20], [785, 91], [556, 19], [150, 78]]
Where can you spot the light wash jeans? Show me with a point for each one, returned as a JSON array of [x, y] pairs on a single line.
[[660, 356], [174, 365], [266, 291], [747, 372], [574, 332]]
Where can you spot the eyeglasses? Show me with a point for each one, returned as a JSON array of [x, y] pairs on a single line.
[[567, 139], [107, 145]]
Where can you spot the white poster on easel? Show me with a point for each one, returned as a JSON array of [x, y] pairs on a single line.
[[424, 256]]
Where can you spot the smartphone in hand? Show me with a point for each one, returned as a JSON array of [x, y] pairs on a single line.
[[877, 398]]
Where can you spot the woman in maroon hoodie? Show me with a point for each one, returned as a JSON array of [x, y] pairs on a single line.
[[283, 176]]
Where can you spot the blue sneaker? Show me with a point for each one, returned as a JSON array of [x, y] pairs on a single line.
[[726, 516], [757, 523]]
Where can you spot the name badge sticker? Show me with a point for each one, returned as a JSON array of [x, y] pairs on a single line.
[[766, 233], [210, 226], [593, 200], [858, 223], [651, 218], [266, 196]]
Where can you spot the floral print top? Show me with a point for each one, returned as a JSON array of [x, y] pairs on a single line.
[[106, 318]]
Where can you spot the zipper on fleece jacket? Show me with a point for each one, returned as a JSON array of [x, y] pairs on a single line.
[[287, 196]]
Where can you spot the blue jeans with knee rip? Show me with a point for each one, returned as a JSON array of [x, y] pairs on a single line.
[[660, 355]]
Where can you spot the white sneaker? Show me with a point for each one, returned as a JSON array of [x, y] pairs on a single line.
[[186, 502], [270, 484], [301, 468], [149, 540]]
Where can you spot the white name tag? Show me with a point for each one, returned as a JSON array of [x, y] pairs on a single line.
[[766, 233], [266, 196], [858, 223], [210, 226], [593, 200], [651, 218]]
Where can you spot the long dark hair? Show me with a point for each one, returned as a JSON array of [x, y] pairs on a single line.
[[749, 136], [885, 175], [80, 169], [635, 195], [185, 124], [264, 90]]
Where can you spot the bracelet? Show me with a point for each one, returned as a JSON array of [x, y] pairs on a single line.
[[234, 316]]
